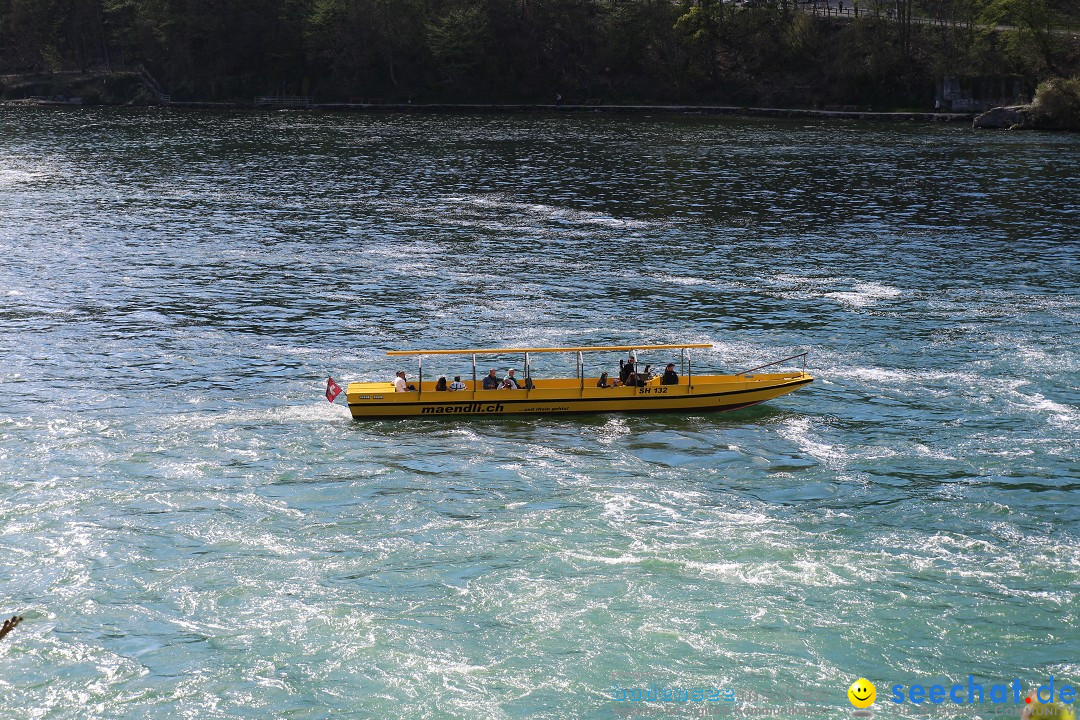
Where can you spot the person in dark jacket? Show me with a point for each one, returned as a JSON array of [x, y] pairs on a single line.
[[491, 382], [670, 377], [627, 369]]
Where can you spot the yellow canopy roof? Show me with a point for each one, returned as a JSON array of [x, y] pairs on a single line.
[[500, 351]]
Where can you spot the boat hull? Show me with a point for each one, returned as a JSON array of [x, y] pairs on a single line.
[[717, 393]]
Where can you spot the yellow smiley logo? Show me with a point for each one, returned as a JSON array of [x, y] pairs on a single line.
[[862, 693]]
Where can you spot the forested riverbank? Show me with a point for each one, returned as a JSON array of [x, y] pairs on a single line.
[[763, 52]]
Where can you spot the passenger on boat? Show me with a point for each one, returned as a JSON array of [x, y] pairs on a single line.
[[602, 382], [457, 384], [625, 369], [399, 383], [441, 385], [491, 382], [670, 377], [639, 379], [511, 382]]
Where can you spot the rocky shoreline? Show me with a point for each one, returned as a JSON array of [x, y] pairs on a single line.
[[1056, 106], [127, 89], [1023, 117], [477, 108], [1011, 117]]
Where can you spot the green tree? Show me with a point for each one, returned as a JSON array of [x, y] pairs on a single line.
[[458, 40], [1034, 23]]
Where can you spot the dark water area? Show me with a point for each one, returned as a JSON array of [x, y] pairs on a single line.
[[191, 530]]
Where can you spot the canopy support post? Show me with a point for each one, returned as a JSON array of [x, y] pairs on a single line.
[[474, 372], [581, 372], [528, 374], [689, 371], [420, 383]]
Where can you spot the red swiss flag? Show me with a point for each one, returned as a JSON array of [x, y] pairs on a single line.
[[332, 389]]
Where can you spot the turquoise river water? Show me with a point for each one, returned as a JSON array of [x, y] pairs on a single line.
[[191, 531]]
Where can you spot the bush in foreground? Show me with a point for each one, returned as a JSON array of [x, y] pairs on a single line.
[[1057, 104]]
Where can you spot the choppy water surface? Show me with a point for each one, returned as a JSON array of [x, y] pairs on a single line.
[[191, 530]]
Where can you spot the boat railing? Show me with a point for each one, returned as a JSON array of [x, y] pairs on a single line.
[[777, 362]]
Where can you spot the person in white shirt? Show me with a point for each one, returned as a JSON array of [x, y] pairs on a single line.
[[457, 384], [399, 382]]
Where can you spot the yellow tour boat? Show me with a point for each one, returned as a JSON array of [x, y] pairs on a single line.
[[579, 394]]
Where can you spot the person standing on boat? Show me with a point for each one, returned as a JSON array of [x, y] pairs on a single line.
[[457, 384], [491, 382], [670, 377]]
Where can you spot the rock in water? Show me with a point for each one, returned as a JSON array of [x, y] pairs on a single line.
[[1004, 118]]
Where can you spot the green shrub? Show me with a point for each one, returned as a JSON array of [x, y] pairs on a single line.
[[1057, 104], [90, 95]]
